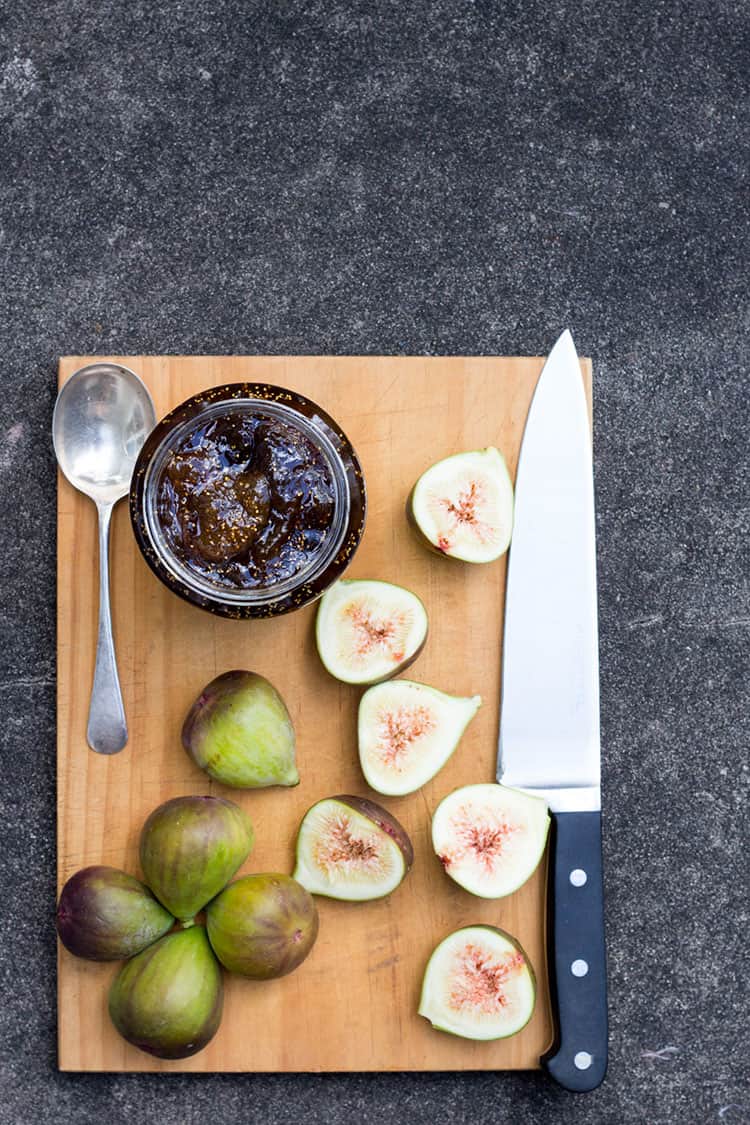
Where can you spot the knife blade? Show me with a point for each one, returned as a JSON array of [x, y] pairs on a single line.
[[549, 720]]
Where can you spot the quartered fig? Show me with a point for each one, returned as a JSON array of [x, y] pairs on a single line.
[[168, 1000], [239, 731], [407, 732], [462, 507], [191, 848], [106, 915], [367, 631], [351, 848], [490, 838], [262, 926], [478, 984]]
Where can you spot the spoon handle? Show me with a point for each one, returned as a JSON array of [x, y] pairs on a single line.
[[107, 730]]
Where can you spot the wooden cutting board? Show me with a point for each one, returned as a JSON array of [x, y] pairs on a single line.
[[352, 1006]]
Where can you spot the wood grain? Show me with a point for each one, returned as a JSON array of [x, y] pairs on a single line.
[[352, 1006]]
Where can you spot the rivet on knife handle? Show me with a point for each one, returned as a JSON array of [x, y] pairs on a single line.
[[576, 952]]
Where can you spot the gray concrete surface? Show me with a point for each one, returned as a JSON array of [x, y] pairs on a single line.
[[226, 176]]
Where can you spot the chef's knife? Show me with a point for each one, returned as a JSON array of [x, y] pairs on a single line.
[[549, 725]]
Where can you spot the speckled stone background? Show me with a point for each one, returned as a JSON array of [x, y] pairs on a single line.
[[233, 176]]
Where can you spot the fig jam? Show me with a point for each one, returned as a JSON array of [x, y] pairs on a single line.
[[246, 500]]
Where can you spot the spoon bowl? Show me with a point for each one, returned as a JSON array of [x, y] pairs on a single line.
[[102, 417]]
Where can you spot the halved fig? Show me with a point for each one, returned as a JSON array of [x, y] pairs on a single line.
[[462, 506], [490, 838], [351, 848], [408, 731], [367, 631], [478, 984]]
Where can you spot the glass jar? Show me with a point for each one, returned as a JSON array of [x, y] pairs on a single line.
[[262, 472]]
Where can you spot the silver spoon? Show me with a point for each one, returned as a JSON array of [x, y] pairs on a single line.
[[102, 417]]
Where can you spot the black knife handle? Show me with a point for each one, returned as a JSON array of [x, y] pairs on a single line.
[[577, 959]]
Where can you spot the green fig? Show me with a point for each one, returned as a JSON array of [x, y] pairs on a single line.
[[262, 926], [168, 999], [239, 731], [106, 915], [191, 848]]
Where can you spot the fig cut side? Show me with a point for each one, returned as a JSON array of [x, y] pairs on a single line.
[[367, 631], [462, 507], [407, 732], [490, 838], [351, 848], [478, 984]]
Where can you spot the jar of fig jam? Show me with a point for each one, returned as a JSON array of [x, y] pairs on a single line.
[[248, 500]]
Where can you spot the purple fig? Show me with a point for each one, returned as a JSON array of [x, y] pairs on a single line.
[[191, 848], [239, 731], [262, 926], [105, 915], [168, 1000]]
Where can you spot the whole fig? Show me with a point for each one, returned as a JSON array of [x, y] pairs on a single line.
[[168, 999], [191, 848], [106, 915], [262, 926], [239, 731]]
